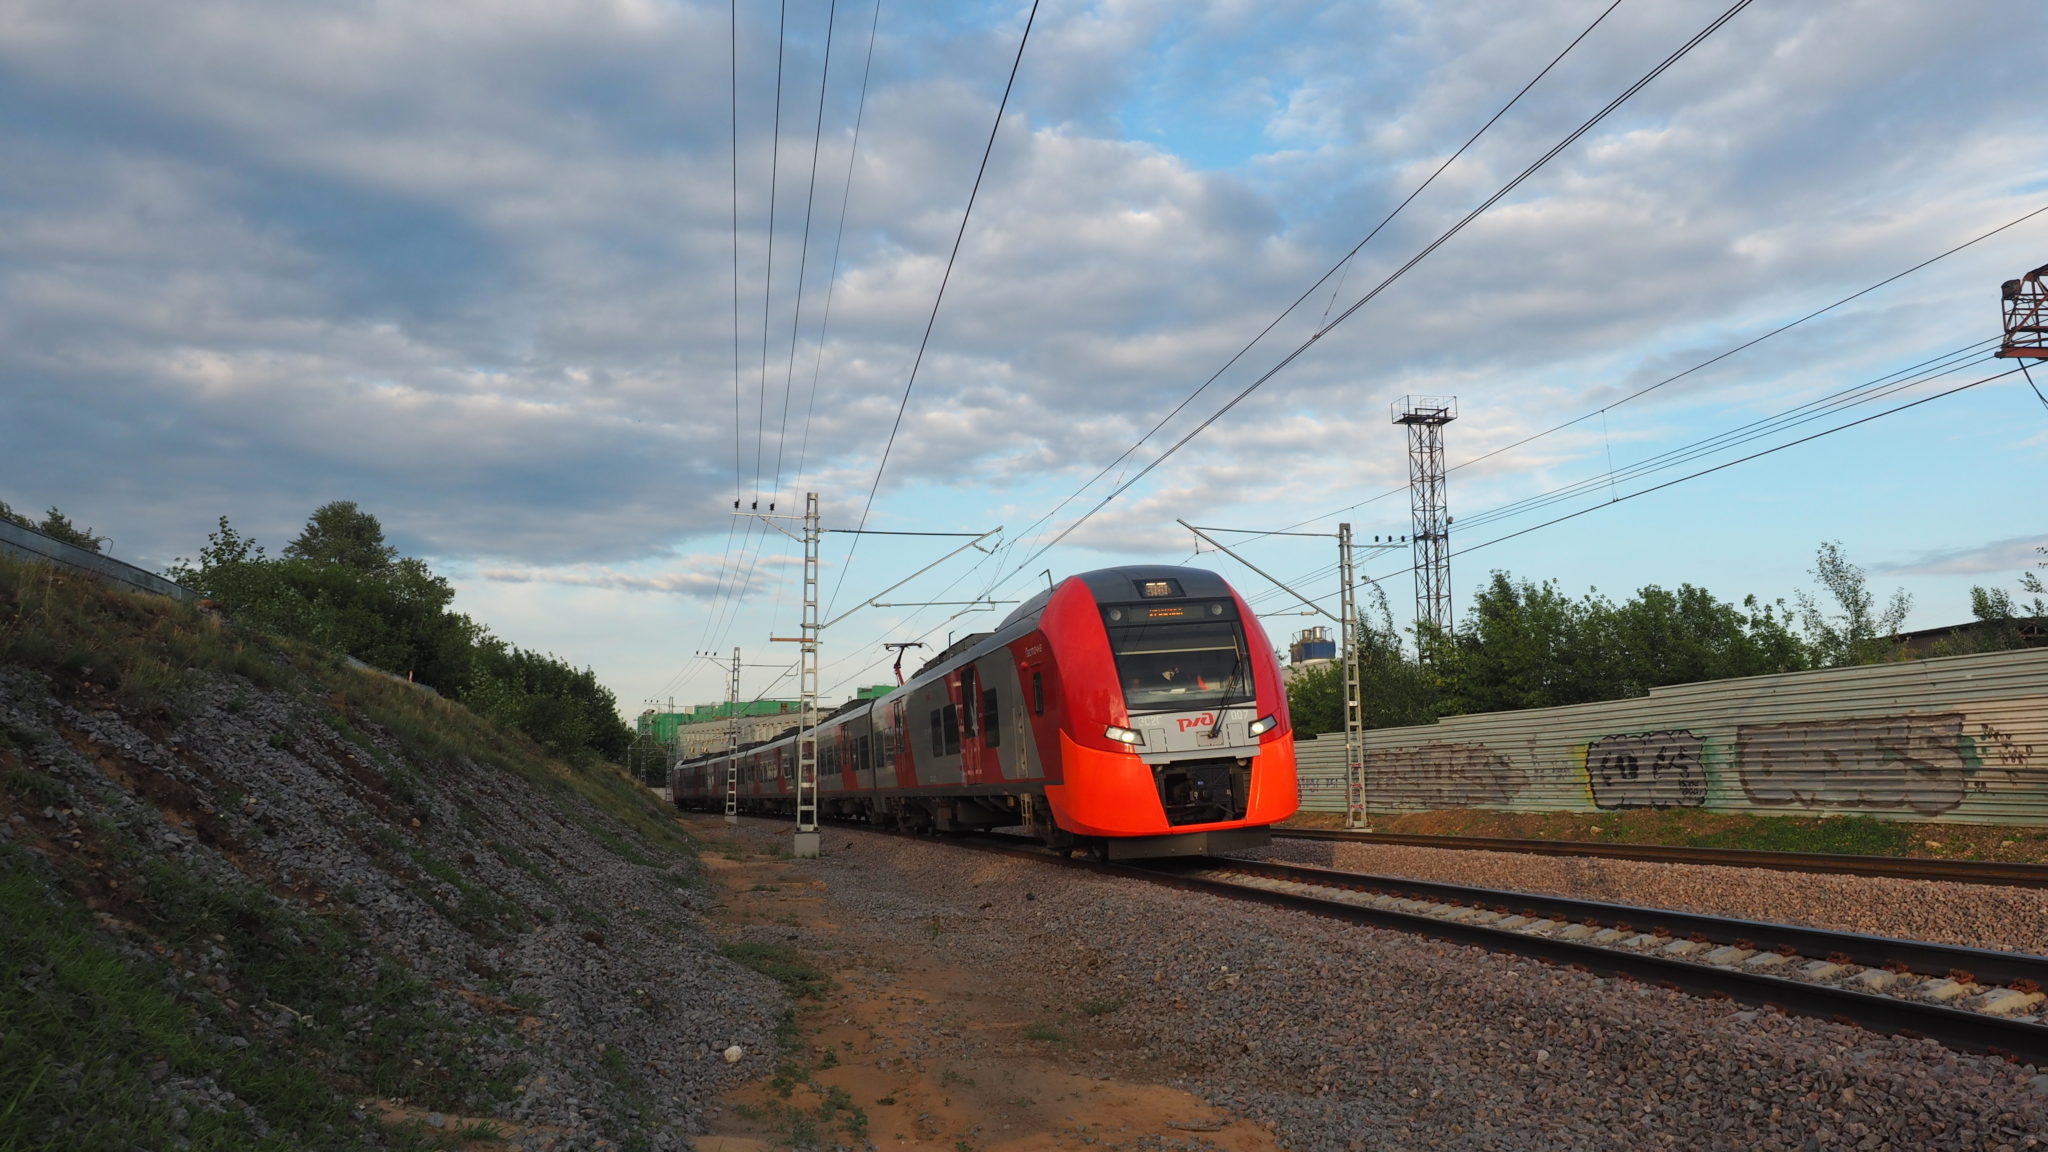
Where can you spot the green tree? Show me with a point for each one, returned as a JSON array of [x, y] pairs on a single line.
[[2004, 621], [340, 534], [1857, 632], [1394, 689], [1665, 637], [341, 588], [1524, 645], [58, 526], [13, 517]]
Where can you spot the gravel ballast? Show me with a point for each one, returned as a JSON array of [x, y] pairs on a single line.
[[2001, 917], [1345, 1037]]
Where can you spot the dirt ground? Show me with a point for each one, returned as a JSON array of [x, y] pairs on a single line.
[[878, 1063]]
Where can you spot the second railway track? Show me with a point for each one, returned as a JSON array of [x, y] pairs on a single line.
[[2018, 874], [1967, 998]]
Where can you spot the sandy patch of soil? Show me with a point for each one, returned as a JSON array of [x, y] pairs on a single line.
[[908, 1050]]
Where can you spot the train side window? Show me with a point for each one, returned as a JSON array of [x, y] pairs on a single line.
[[1038, 694], [938, 734], [968, 681], [991, 731], [860, 755], [951, 716]]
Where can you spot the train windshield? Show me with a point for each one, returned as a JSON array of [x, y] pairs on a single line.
[[1181, 666]]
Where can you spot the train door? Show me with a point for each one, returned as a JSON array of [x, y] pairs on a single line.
[[965, 688], [1038, 682], [902, 753]]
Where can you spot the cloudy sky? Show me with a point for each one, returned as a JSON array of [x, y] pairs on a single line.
[[472, 265]]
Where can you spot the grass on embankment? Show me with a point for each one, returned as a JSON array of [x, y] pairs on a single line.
[[1694, 828], [133, 981]]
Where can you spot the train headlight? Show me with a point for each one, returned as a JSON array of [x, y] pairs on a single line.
[[1123, 735], [1263, 725]]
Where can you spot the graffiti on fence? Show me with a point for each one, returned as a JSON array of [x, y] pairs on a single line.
[[1903, 763], [1441, 776], [1652, 770], [1321, 784], [2001, 748]]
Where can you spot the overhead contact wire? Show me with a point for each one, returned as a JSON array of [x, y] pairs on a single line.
[[838, 233], [889, 445], [803, 260], [1334, 269], [1697, 38]]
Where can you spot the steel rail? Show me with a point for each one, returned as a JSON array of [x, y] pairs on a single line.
[[1894, 867]]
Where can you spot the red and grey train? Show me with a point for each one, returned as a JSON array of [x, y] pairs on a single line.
[[1132, 712]]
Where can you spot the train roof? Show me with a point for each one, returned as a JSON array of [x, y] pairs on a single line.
[[1116, 585], [954, 649], [1113, 585]]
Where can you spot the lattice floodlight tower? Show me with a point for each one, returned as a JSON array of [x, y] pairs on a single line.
[[1425, 417], [2026, 317]]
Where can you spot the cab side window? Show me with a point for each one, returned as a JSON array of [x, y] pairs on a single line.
[[991, 728]]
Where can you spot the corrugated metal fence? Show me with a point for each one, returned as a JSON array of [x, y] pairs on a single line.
[[28, 544], [1962, 739]]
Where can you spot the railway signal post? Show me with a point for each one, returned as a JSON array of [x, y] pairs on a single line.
[[1356, 813], [732, 766], [806, 845]]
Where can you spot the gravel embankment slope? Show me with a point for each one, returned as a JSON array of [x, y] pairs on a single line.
[[1348, 1037], [584, 999]]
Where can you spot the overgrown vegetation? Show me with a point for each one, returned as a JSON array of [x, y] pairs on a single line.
[[340, 588], [1528, 645]]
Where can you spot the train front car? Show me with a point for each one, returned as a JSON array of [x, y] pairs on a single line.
[[1172, 727]]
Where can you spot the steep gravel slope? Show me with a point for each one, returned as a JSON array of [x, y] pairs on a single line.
[[379, 923]]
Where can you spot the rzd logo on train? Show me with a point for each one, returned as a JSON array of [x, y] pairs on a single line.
[[1205, 720]]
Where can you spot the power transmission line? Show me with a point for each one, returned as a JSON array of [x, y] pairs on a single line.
[[1693, 42], [1716, 468], [1333, 270], [1677, 376], [945, 279], [768, 289], [838, 233], [804, 250], [1887, 385]]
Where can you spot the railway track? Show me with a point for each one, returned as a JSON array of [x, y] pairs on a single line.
[[1969, 999], [1895, 867]]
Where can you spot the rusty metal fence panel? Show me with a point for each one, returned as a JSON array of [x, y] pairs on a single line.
[[1961, 739], [28, 544]]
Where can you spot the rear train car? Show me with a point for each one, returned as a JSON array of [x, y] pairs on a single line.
[[1131, 712]]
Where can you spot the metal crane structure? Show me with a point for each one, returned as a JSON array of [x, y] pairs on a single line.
[[1425, 417], [2026, 316]]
